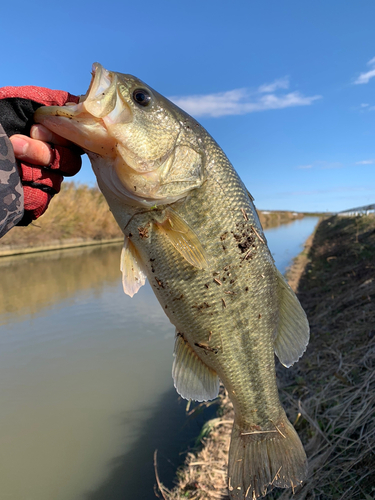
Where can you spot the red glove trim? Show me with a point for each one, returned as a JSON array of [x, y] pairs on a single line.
[[42, 95]]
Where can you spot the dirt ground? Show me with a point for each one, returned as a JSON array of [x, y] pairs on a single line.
[[330, 394]]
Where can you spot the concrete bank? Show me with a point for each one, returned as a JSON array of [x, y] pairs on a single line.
[[329, 395], [10, 250]]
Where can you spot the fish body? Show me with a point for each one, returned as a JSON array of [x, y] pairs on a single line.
[[191, 228]]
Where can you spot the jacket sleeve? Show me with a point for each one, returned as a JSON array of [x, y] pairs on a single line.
[[11, 191]]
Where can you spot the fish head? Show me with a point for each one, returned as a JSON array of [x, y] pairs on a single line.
[[143, 148]]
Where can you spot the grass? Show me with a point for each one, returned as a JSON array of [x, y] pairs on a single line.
[[330, 394]]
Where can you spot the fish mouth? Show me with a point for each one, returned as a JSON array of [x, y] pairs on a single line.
[[86, 123]]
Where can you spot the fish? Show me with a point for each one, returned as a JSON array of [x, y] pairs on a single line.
[[191, 228]]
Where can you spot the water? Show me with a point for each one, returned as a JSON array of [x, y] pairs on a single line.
[[86, 393], [286, 241]]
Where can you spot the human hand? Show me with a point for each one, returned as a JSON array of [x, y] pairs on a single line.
[[36, 149], [43, 157]]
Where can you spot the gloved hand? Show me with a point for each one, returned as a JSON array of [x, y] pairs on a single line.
[[42, 166]]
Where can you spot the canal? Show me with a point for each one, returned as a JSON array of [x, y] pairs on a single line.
[[86, 393]]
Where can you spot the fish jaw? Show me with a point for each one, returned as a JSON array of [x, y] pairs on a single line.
[[75, 124], [86, 123], [156, 159]]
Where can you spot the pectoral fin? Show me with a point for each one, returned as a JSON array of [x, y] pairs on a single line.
[[183, 238], [131, 266], [192, 378], [293, 330]]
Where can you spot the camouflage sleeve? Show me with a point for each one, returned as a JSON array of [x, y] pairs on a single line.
[[11, 191]]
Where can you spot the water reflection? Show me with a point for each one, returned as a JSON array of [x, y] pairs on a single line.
[[86, 392], [42, 280]]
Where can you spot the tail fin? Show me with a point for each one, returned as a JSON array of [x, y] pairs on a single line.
[[259, 461]]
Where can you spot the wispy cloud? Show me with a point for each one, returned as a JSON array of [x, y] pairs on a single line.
[[365, 107], [243, 101], [321, 165], [366, 77], [280, 83], [365, 162], [328, 165]]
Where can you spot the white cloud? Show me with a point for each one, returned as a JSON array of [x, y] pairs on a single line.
[[365, 162], [280, 83], [366, 77], [303, 167], [243, 101]]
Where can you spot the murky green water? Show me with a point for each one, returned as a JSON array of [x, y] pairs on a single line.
[[86, 393]]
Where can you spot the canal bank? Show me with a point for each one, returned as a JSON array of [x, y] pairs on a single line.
[[330, 394]]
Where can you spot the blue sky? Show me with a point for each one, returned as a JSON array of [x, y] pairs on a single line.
[[287, 88]]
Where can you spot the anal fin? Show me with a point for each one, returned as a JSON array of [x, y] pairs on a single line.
[[192, 378]]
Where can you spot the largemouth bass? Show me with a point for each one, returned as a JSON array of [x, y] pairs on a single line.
[[191, 228]]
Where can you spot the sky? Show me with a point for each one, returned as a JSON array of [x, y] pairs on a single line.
[[287, 88]]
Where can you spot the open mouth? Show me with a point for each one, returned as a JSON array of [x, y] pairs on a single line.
[[100, 99], [88, 123], [103, 98]]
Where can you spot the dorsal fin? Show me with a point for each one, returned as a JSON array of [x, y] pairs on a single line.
[[293, 330]]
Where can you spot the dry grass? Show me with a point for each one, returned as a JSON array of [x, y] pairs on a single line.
[[78, 211], [330, 393], [204, 475], [274, 219]]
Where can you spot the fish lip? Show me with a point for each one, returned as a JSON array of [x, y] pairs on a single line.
[[70, 111], [98, 73]]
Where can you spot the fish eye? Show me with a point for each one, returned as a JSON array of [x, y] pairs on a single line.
[[142, 97]]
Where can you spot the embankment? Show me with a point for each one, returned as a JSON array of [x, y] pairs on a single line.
[[330, 394], [78, 216], [270, 219]]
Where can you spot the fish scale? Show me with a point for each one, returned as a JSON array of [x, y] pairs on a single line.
[[191, 228]]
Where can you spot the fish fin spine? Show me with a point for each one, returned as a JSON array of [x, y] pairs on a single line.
[[260, 461]]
